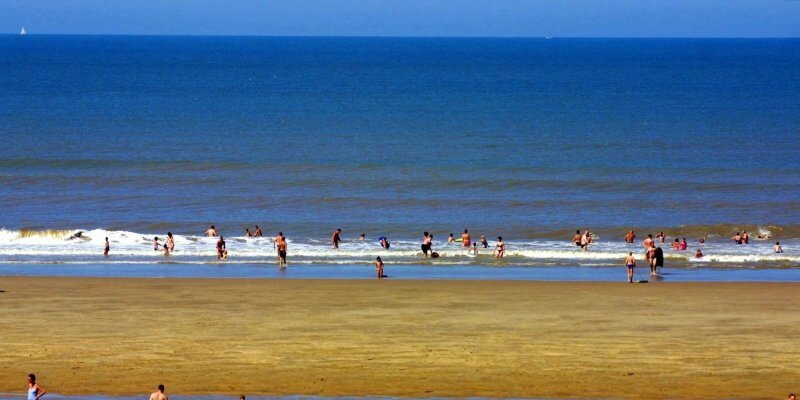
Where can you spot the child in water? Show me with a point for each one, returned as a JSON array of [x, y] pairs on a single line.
[[379, 267], [474, 250], [698, 254]]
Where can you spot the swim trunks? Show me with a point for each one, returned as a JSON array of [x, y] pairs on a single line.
[[425, 248]]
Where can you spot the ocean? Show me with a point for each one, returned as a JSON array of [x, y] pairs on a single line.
[[129, 137]]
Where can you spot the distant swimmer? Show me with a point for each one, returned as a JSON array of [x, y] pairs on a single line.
[[212, 231], [630, 262], [384, 241], [745, 237], [426, 243], [451, 239], [76, 235], [737, 238], [166, 249], [379, 267], [683, 245], [258, 232], [586, 240], [661, 237], [698, 254], [576, 239], [362, 236], [466, 240], [702, 239], [676, 244], [500, 248], [107, 248], [156, 245], [777, 248], [222, 250], [282, 251], [473, 251], [247, 232], [159, 394], [35, 392], [658, 261], [170, 242], [629, 237], [484, 242], [336, 238]]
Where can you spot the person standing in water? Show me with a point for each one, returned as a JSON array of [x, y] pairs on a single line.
[[247, 232], [647, 243], [777, 248], [277, 240], [155, 243], [426, 244], [170, 242], [258, 232], [159, 394], [222, 250], [282, 245], [658, 260], [473, 251], [484, 242], [737, 238], [630, 263], [745, 237], [629, 237], [466, 240], [35, 392], [212, 231], [661, 237], [379, 267], [107, 248], [586, 240], [336, 238], [576, 239], [500, 248]]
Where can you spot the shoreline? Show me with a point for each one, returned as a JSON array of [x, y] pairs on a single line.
[[403, 338]]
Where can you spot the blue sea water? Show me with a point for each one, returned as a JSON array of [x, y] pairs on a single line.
[[131, 137]]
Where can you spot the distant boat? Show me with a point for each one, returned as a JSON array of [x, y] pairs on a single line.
[[23, 32], [548, 37]]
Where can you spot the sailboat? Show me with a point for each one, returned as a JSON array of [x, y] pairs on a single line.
[[22, 32]]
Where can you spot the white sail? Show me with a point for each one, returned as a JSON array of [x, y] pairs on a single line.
[[22, 32]]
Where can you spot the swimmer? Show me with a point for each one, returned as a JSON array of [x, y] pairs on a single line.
[[384, 242], [586, 239], [683, 245], [630, 262], [336, 238], [155, 243], [661, 237], [698, 254], [76, 235], [159, 394], [473, 251], [363, 236], [737, 238], [647, 243], [379, 267], [222, 251], [465, 238], [451, 239], [484, 243], [703, 239], [576, 239], [745, 237], [212, 231], [676, 244], [107, 248], [170, 241], [777, 248], [35, 392], [499, 248], [282, 245], [426, 243], [166, 249], [258, 232], [629, 237], [247, 232]]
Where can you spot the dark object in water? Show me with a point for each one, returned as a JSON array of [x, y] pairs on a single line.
[[434, 254]]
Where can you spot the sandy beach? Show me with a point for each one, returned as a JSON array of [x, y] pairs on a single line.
[[400, 338]]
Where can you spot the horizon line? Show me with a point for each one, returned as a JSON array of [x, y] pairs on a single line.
[[399, 36]]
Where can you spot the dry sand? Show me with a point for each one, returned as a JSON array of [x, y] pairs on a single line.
[[401, 338]]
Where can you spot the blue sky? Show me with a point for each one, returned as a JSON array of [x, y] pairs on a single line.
[[582, 18]]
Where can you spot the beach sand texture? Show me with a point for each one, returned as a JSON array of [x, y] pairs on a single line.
[[400, 338]]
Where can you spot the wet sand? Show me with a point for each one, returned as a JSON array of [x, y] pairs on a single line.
[[400, 338]]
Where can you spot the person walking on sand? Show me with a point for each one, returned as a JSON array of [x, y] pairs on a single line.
[[629, 237], [466, 240], [222, 250], [500, 248], [426, 244], [211, 231], [159, 394], [281, 245], [107, 248], [258, 232], [170, 242], [336, 238], [35, 392], [630, 263], [379, 267]]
